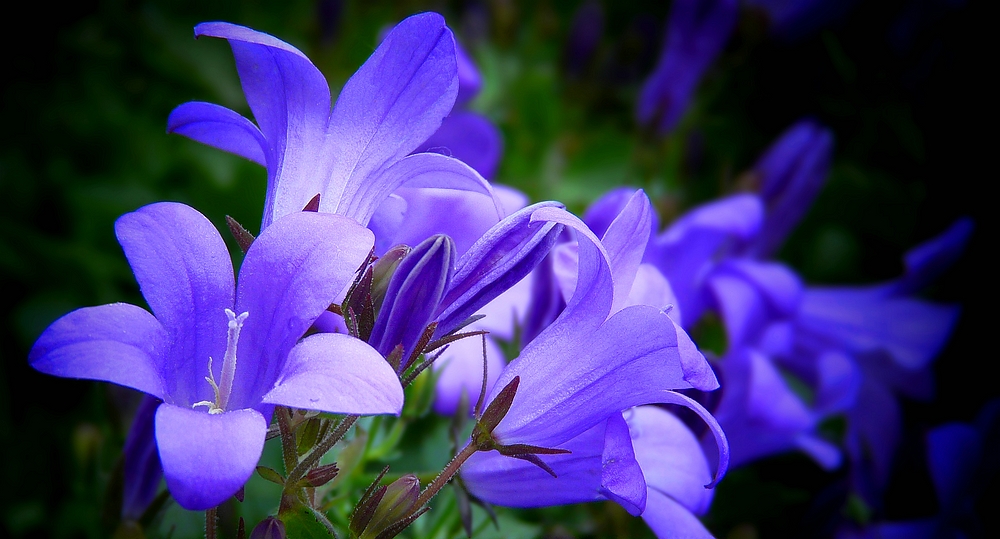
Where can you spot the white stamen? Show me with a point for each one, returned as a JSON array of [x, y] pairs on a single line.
[[229, 363], [223, 390]]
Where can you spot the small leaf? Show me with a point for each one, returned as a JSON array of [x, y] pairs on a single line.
[[271, 475]]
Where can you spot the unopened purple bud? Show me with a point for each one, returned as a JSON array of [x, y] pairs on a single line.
[[269, 528], [322, 475], [414, 293], [389, 510]]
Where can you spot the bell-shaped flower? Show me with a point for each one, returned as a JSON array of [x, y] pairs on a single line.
[[762, 415], [222, 354], [355, 154], [594, 361], [697, 30]]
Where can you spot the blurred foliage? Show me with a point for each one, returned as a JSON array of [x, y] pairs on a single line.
[[88, 86]]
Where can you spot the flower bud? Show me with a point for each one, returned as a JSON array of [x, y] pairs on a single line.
[[388, 509], [321, 475]]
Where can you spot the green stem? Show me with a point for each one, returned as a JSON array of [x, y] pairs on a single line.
[[289, 451], [442, 479], [317, 453], [212, 523]]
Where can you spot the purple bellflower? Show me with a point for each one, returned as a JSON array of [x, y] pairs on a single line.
[[788, 177], [210, 428], [355, 154], [572, 390], [697, 30]]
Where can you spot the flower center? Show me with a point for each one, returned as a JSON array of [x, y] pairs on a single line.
[[225, 387]]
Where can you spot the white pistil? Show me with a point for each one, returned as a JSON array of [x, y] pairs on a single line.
[[223, 390]]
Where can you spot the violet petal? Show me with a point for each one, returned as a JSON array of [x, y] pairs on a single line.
[[207, 457], [219, 127], [118, 343], [338, 374], [186, 275], [292, 273]]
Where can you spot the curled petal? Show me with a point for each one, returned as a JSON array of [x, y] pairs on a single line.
[[339, 374], [118, 343], [503, 256], [417, 170], [185, 273], [292, 273], [207, 457], [219, 127], [470, 138], [672, 397]]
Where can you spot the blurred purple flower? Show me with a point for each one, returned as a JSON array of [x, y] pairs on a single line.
[[788, 177], [791, 20], [354, 155], [890, 336], [291, 274], [961, 467], [697, 31], [466, 135], [143, 471]]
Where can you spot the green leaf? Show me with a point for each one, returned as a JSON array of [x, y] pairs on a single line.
[[303, 522], [271, 475]]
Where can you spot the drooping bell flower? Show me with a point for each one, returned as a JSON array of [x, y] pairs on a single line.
[[355, 154], [697, 30], [219, 353], [576, 376], [788, 177], [891, 337]]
